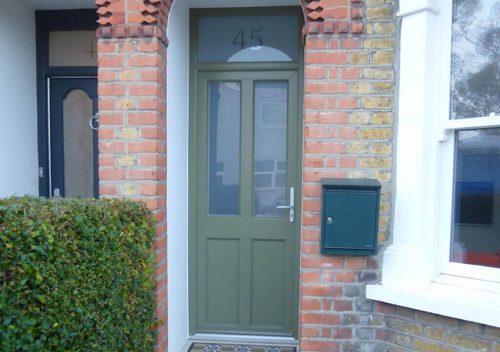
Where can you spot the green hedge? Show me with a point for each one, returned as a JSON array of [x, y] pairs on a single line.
[[76, 275]]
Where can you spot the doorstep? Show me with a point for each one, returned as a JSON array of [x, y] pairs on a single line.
[[246, 343]]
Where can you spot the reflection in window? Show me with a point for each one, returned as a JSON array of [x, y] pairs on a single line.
[[475, 58], [224, 148], [271, 101], [259, 53], [476, 225]]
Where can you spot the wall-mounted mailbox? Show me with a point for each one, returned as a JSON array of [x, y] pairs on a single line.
[[349, 224]]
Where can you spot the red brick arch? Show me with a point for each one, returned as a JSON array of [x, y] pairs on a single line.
[[148, 18], [132, 114]]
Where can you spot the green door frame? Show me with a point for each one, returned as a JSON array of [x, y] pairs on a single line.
[[200, 68]]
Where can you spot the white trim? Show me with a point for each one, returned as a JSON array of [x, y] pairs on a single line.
[[469, 123], [457, 280], [455, 302], [415, 11], [412, 265], [413, 7], [251, 339], [461, 272], [177, 169], [476, 122], [455, 273], [177, 158], [48, 172]]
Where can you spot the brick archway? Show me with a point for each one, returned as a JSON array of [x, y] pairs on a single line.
[[132, 104], [149, 18]]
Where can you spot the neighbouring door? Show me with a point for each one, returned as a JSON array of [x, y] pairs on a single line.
[[73, 164], [245, 179]]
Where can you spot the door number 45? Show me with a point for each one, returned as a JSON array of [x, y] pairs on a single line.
[[254, 38]]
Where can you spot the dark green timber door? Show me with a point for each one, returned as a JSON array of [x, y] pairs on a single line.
[[244, 247]]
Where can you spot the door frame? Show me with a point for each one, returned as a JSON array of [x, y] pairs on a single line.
[[195, 69], [47, 21]]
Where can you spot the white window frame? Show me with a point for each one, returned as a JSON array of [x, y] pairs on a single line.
[[416, 271], [489, 278]]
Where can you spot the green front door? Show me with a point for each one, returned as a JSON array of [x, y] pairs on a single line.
[[243, 251]]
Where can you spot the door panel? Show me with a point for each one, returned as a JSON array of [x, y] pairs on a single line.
[[220, 274], [246, 163], [268, 282], [73, 143]]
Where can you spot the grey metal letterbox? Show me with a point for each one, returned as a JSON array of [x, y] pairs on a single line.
[[349, 224]]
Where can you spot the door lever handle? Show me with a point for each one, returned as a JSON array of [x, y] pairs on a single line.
[[94, 122], [291, 206]]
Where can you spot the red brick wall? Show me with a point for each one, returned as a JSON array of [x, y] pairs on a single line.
[[348, 132], [348, 103], [410, 330], [132, 136], [132, 116]]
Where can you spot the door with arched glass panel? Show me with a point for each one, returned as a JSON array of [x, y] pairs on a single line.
[[245, 172], [73, 137]]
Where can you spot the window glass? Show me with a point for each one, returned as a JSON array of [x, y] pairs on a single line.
[[476, 225], [72, 48], [224, 116], [248, 38], [475, 76], [271, 102]]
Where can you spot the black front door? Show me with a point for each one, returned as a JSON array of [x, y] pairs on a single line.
[[73, 137]]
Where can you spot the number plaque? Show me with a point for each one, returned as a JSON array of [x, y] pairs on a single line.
[[72, 48], [248, 38]]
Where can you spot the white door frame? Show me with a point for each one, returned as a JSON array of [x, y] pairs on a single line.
[[177, 159]]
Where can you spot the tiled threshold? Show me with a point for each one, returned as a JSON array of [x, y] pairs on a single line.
[[217, 347], [239, 343]]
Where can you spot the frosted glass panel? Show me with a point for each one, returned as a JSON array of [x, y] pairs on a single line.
[[475, 59], [72, 48], [271, 101], [224, 147], [248, 38], [78, 145]]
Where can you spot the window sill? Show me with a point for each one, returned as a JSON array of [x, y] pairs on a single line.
[[448, 300]]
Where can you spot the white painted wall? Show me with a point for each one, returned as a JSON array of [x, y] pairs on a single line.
[[177, 158], [18, 115], [177, 178]]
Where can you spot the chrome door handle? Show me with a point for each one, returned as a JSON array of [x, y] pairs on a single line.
[[94, 122], [291, 206]]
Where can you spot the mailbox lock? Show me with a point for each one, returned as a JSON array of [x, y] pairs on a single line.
[[329, 220]]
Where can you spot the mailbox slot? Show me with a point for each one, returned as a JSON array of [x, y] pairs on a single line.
[[350, 216]]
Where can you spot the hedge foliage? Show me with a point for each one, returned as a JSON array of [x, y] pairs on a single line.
[[76, 275]]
